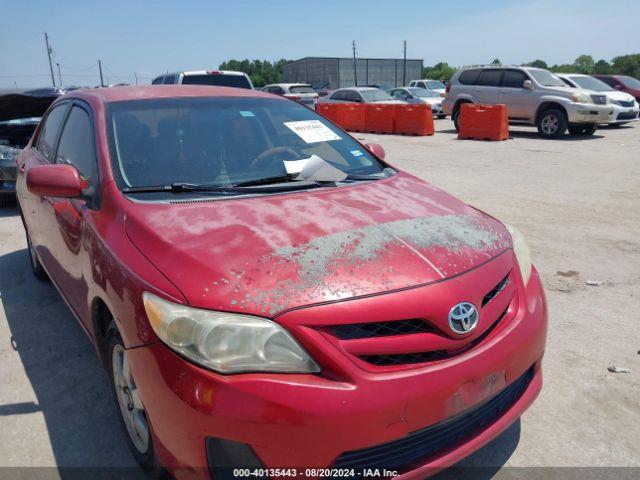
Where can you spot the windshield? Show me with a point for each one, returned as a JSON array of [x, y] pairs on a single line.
[[629, 82], [591, 83], [219, 80], [223, 141], [301, 89], [375, 95], [546, 78], [435, 84], [422, 93]]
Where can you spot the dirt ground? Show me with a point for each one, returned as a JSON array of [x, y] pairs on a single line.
[[577, 201]]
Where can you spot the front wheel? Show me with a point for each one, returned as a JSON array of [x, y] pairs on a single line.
[[133, 416], [552, 123], [36, 267]]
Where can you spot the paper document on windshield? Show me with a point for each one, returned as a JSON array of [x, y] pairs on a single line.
[[315, 169], [312, 131]]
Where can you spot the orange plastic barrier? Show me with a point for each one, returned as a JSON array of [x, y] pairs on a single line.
[[379, 117], [483, 122], [413, 119], [328, 110], [351, 116]]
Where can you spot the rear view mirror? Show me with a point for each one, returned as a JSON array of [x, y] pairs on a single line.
[[55, 181], [527, 84], [376, 149]]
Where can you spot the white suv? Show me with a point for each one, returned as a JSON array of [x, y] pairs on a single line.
[[533, 96], [218, 78]]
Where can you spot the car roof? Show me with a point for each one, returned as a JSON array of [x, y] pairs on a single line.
[[359, 89], [204, 72], [570, 74], [120, 94], [288, 85]]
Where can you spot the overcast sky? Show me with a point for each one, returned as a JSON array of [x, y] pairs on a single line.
[[154, 37]]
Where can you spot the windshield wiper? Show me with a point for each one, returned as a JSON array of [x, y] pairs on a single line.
[[179, 187]]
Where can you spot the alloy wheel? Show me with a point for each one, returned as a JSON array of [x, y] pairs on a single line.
[[549, 124], [129, 401]]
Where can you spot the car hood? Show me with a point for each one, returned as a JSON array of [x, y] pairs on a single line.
[[15, 104], [620, 96], [263, 255]]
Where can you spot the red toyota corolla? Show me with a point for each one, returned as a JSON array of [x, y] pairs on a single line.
[[266, 292]]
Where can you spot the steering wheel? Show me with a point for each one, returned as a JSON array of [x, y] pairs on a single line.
[[269, 156]]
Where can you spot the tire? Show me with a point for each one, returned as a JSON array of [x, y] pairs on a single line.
[[441, 116], [455, 116], [36, 267], [129, 404], [583, 130], [7, 199], [552, 123]]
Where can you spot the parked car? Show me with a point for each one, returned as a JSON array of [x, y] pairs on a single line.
[[20, 113], [625, 107], [624, 83], [419, 95], [428, 84], [219, 78], [533, 96], [266, 291], [360, 95], [300, 92]]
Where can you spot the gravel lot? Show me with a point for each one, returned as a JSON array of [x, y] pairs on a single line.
[[577, 200]]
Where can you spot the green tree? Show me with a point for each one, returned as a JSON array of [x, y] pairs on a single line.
[[602, 66], [564, 68], [584, 64], [496, 61], [537, 64], [440, 71], [626, 65]]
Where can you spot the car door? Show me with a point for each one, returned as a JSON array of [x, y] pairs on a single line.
[[63, 218], [41, 152], [487, 87], [517, 98]]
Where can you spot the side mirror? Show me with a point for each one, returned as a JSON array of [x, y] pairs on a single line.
[[55, 180], [376, 149], [527, 84]]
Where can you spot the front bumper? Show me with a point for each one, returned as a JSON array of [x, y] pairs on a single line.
[[589, 113], [303, 421], [624, 114]]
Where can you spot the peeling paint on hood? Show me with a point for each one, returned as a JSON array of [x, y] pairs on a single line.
[[263, 255]]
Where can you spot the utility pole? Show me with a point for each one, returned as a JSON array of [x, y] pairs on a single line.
[[404, 64], [135, 75], [49, 51], [355, 64], [59, 76], [100, 68]]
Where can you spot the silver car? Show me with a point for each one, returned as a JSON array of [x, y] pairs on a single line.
[[300, 92], [533, 96], [360, 95], [419, 95]]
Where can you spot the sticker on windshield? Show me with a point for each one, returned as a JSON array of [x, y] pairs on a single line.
[[357, 153], [246, 113], [312, 131]]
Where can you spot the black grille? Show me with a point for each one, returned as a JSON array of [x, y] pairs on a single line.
[[495, 290], [422, 357], [401, 454], [405, 358], [626, 116], [381, 329]]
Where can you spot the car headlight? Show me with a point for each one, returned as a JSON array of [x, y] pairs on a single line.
[[226, 342], [580, 97], [523, 254]]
